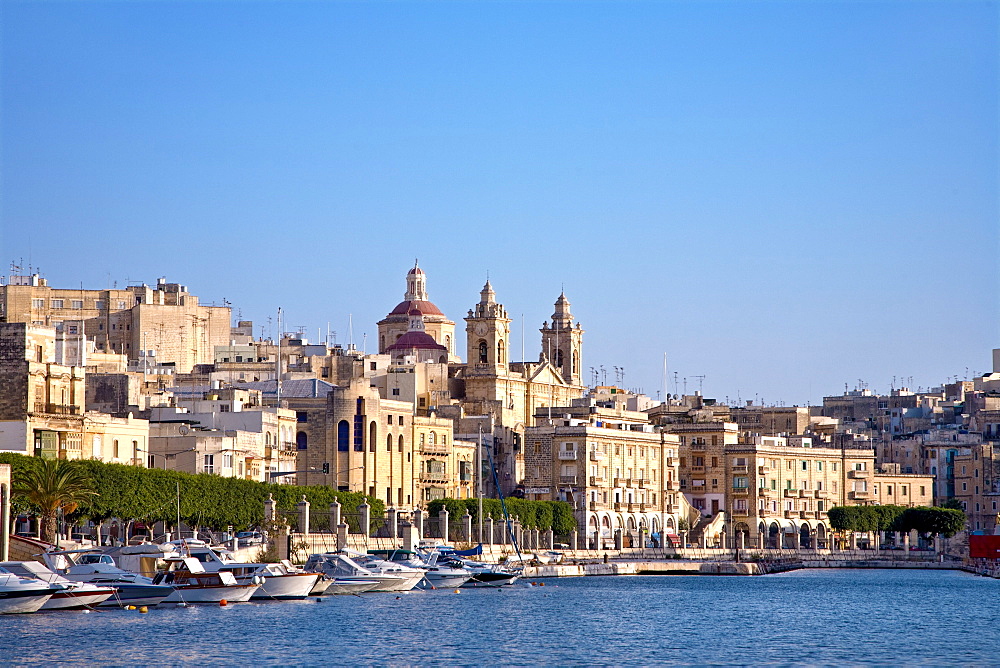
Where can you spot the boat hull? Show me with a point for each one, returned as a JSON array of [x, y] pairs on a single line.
[[491, 580], [287, 586], [446, 580], [137, 594], [211, 593], [340, 587], [23, 602], [70, 599]]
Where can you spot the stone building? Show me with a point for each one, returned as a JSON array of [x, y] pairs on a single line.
[[165, 319], [977, 485], [610, 464], [41, 402]]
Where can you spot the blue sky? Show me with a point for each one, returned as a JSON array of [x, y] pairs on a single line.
[[783, 197]]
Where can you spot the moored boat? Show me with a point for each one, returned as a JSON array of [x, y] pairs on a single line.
[[69, 594], [96, 567], [192, 584], [22, 595]]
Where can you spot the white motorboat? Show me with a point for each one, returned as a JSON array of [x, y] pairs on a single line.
[[487, 575], [70, 594], [96, 567], [410, 576], [436, 575], [343, 568], [22, 595], [279, 580], [192, 584]]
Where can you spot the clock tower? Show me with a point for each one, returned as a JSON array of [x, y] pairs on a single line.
[[487, 332], [562, 343]]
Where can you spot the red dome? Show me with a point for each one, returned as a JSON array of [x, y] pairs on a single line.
[[425, 308], [416, 339], [415, 270]]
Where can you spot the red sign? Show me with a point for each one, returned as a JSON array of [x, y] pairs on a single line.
[[984, 547]]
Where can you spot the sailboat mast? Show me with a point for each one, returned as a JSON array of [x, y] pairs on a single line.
[[479, 481]]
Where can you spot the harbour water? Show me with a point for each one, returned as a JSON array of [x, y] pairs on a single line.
[[802, 617]]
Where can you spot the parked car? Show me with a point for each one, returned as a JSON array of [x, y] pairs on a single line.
[[247, 538]]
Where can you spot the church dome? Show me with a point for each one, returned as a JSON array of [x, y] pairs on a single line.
[[422, 306], [416, 340]]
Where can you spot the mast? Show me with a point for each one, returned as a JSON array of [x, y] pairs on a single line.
[[479, 482]]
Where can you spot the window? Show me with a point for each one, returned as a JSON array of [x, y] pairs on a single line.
[[388, 443], [57, 303], [483, 352], [37, 303], [227, 461], [805, 465], [77, 303], [301, 416], [389, 421], [301, 441], [819, 466], [98, 304], [121, 304], [74, 329], [400, 421], [116, 449], [395, 391], [209, 464], [343, 436], [400, 445], [740, 482]]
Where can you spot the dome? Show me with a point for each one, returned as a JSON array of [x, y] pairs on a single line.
[[416, 340], [415, 270], [423, 307]]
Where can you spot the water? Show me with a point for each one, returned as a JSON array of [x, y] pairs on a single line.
[[803, 617]]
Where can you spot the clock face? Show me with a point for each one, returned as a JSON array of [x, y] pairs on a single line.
[[481, 329]]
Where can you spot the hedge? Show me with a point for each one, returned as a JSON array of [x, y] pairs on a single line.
[[555, 515], [149, 495], [926, 521]]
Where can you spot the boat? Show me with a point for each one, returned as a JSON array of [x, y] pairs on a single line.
[[343, 568], [68, 595], [22, 595], [410, 576], [487, 575], [193, 584], [279, 580], [350, 586], [436, 575], [97, 567]]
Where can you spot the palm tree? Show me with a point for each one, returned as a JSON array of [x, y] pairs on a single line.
[[54, 485]]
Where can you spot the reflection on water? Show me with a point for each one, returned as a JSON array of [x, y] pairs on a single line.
[[818, 616]]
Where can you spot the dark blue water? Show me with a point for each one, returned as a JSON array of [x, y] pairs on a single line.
[[804, 617]]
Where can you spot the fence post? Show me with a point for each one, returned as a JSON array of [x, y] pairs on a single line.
[[303, 507], [418, 522], [573, 539], [488, 529], [365, 513], [334, 516], [550, 539], [443, 524], [342, 529], [268, 508], [618, 539], [467, 525], [411, 539], [390, 519]]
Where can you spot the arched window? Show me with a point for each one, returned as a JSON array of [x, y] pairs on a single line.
[[500, 352], [400, 442], [483, 352], [388, 443], [423, 438], [343, 436], [447, 343], [267, 439], [372, 436], [381, 344], [559, 358], [434, 438], [117, 452], [301, 441], [576, 362]]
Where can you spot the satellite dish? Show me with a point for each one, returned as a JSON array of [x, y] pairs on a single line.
[[184, 430]]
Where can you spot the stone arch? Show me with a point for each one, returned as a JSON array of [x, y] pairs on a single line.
[[372, 435], [343, 436], [805, 536], [301, 441], [773, 535]]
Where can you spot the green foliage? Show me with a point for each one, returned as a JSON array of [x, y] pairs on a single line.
[[953, 503], [543, 515], [926, 521], [133, 493], [51, 486]]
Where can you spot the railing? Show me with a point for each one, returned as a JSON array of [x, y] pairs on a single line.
[[673, 485], [858, 474], [821, 494], [804, 494], [596, 456], [434, 477], [740, 469], [854, 494], [791, 493], [763, 470], [568, 479], [697, 469], [741, 490], [566, 455], [620, 482], [433, 449], [596, 479], [61, 409]]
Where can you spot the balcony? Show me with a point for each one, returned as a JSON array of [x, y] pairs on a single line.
[[860, 475], [596, 456], [763, 470], [596, 480], [740, 469], [441, 478], [620, 482], [595, 505], [789, 514], [741, 491], [698, 447], [672, 486], [791, 493], [567, 455], [821, 494], [640, 482], [741, 512], [669, 461], [433, 449], [858, 496], [767, 492], [57, 409], [697, 469], [567, 479], [671, 508], [805, 494]]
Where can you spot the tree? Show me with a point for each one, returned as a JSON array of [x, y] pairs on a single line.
[[52, 486], [954, 504]]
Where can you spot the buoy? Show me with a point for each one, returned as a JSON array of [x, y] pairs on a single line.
[[541, 584], [456, 591], [130, 607], [223, 602], [143, 609]]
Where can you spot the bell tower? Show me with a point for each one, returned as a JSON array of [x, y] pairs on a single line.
[[487, 331], [562, 343]]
